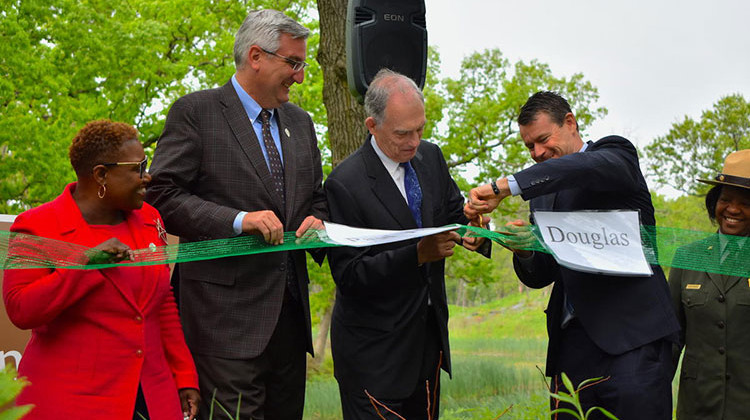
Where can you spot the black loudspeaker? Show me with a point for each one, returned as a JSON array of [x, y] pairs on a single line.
[[385, 33]]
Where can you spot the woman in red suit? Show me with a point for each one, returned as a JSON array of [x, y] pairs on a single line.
[[101, 337]]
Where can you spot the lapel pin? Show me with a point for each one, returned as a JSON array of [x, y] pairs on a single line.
[[161, 231], [286, 131]]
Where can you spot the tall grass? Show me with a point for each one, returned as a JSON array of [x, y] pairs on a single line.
[[322, 400], [489, 376], [495, 351]]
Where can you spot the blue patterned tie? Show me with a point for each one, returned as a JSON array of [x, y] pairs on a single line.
[[413, 192]]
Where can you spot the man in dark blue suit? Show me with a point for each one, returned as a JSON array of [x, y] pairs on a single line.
[[598, 325], [389, 332]]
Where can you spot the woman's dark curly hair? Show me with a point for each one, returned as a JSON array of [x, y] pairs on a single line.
[[98, 142], [712, 197]]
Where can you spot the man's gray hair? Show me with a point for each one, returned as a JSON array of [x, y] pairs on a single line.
[[264, 28], [381, 87]]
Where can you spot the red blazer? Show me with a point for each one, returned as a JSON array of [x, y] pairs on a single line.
[[91, 341]]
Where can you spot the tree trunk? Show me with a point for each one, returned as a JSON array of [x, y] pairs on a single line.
[[346, 127], [461, 293], [322, 338], [346, 116]]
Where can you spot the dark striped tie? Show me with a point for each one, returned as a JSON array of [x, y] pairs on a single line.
[[274, 159], [277, 173]]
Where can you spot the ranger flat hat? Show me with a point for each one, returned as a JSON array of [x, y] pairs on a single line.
[[736, 172]]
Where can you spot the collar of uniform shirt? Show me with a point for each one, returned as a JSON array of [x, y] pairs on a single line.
[[724, 240]]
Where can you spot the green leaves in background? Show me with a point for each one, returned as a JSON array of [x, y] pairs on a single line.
[[10, 387], [64, 63], [695, 149], [482, 105]]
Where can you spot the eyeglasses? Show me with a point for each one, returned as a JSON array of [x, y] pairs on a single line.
[[143, 164], [296, 65]]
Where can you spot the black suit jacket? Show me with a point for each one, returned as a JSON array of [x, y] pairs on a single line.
[[207, 167], [618, 313], [377, 331]]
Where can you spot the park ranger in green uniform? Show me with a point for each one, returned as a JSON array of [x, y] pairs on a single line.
[[714, 309]]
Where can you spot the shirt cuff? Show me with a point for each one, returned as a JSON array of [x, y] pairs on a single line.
[[513, 185], [237, 225]]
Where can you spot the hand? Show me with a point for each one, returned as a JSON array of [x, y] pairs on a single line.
[[310, 222], [483, 199], [472, 243], [109, 251], [437, 247], [520, 237], [264, 222], [190, 399]]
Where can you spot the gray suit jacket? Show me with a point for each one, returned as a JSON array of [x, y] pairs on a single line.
[[207, 167]]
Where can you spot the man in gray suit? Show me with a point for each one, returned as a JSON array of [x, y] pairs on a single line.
[[234, 160]]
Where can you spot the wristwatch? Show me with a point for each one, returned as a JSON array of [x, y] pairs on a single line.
[[494, 187]]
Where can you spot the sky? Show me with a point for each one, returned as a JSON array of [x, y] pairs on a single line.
[[654, 62]]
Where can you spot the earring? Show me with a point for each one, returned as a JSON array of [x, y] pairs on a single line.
[[102, 191]]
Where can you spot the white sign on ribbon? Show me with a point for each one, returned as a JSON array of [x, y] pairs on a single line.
[[607, 242], [358, 237]]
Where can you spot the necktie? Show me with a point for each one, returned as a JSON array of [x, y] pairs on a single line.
[[413, 192], [274, 159], [277, 173]]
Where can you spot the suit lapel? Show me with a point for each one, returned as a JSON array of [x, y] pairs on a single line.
[[76, 230], [385, 189], [732, 260], [242, 129], [731, 281], [286, 135], [713, 253]]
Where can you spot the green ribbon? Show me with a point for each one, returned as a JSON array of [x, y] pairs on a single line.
[[680, 248]]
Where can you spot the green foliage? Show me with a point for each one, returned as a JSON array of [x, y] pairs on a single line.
[[434, 98], [510, 406], [495, 349], [572, 397], [64, 63], [322, 289], [309, 95], [517, 316], [696, 148], [216, 408], [10, 387], [322, 399], [685, 212], [481, 376], [482, 104], [472, 279]]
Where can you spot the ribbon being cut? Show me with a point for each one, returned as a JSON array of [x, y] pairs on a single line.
[[608, 242]]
